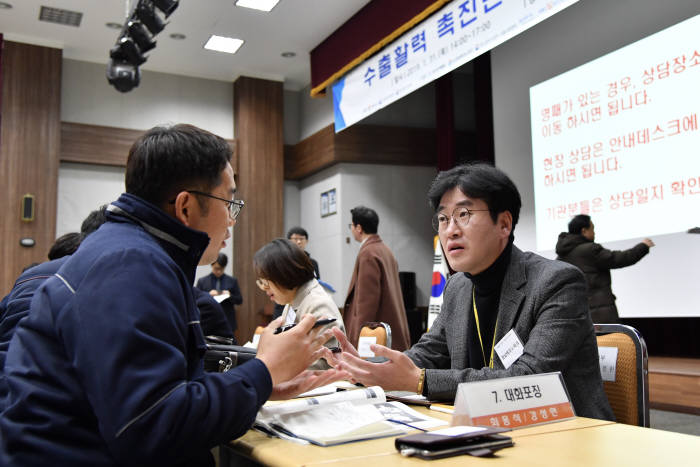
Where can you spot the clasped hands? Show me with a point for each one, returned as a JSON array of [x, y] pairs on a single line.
[[399, 373]]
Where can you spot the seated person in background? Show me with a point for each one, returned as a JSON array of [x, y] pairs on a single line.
[[212, 316], [286, 274], [496, 289], [65, 245], [300, 237], [107, 369], [15, 305], [578, 247], [218, 283]]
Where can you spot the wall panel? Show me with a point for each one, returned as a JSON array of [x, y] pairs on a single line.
[[30, 138], [257, 109]]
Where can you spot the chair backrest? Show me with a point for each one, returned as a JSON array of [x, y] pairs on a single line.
[[380, 331], [629, 393]]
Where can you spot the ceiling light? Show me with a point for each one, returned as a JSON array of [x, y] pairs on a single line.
[[113, 25], [5, 6], [177, 36], [288, 54], [262, 5], [223, 44]]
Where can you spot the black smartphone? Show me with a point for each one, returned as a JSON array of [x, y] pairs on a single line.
[[479, 446]]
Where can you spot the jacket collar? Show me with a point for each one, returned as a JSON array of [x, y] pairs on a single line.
[[512, 294], [184, 245], [303, 291], [371, 238]]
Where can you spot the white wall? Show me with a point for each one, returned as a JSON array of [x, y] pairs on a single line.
[[87, 97], [398, 196], [665, 282]]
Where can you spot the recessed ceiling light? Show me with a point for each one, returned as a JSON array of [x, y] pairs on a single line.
[[223, 44], [262, 5], [288, 54], [5, 6], [177, 36], [113, 25]]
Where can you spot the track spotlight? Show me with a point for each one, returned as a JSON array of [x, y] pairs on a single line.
[[141, 36], [123, 76], [126, 50], [135, 39], [166, 6], [146, 13]]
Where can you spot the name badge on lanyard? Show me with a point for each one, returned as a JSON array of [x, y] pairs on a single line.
[[509, 349]]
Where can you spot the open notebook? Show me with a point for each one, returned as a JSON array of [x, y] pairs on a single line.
[[341, 417]]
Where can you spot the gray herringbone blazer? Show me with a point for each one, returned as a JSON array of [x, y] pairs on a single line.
[[545, 302]]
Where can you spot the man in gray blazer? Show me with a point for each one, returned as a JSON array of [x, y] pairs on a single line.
[[496, 290]]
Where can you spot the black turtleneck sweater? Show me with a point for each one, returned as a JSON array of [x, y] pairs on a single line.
[[487, 289]]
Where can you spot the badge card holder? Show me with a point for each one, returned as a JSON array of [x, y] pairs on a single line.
[[513, 402]]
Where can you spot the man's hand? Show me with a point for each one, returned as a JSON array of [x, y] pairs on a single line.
[[213, 292], [289, 353], [648, 242], [398, 374], [306, 381], [345, 347]]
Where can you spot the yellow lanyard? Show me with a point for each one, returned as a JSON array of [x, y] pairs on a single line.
[[478, 330]]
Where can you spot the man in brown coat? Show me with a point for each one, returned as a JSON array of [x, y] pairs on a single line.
[[375, 291]]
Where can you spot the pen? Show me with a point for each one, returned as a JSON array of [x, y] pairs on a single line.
[[335, 349], [439, 408], [320, 322]]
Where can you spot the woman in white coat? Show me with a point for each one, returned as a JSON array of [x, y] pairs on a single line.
[[285, 273]]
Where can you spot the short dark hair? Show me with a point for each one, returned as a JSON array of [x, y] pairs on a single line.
[[94, 220], [297, 231], [167, 160], [582, 221], [221, 260], [479, 180], [366, 217], [283, 263], [65, 245]]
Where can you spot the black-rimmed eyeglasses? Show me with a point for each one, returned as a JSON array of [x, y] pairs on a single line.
[[461, 215], [234, 205]]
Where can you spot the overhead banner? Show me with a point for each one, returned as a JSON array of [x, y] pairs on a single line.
[[454, 35]]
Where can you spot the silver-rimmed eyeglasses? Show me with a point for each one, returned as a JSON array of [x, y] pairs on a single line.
[[461, 215]]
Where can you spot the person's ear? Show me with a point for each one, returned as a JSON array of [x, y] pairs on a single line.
[[184, 208], [505, 223]]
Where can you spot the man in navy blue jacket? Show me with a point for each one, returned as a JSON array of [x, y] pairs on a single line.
[[107, 367]]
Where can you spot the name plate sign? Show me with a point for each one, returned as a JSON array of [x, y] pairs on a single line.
[[513, 402]]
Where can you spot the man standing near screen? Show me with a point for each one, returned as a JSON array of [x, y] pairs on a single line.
[[578, 247]]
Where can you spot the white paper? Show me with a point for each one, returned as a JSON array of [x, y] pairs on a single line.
[[367, 395], [221, 297], [402, 413], [456, 430], [608, 362], [363, 346]]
